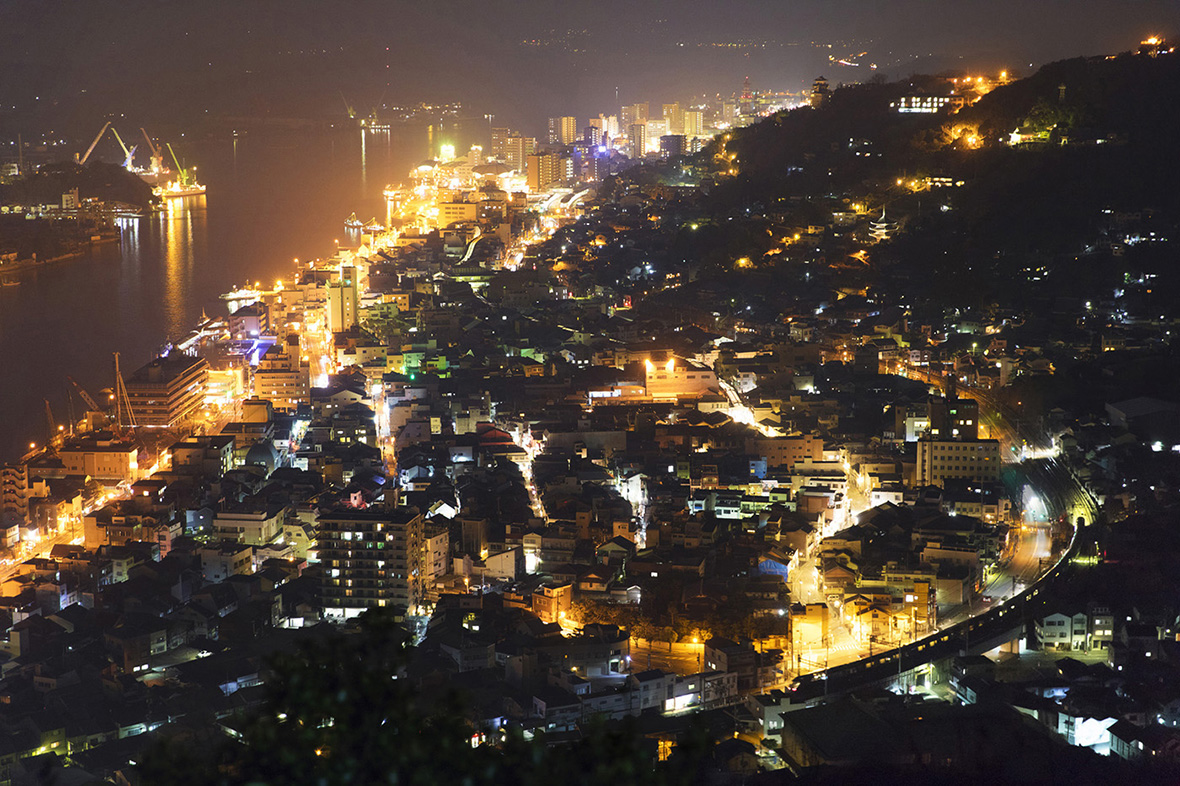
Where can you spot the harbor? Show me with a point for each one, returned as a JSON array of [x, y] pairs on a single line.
[[152, 286]]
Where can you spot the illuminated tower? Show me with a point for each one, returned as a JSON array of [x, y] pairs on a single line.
[[746, 103]]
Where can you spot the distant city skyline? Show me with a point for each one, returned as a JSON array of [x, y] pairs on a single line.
[[525, 61]]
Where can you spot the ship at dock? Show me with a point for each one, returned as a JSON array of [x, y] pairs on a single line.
[[185, 183], [175, 189]]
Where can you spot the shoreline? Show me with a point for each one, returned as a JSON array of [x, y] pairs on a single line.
[[31, 263]]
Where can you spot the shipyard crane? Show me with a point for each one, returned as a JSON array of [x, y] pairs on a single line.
[[348, 107], [51, 423], [129, 153], [157, 154], [93, 144], [90, 402], [182, 174], [122, 400]]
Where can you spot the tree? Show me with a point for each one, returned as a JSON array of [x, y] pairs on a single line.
[[644, 630]]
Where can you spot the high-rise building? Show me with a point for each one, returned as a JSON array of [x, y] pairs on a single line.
[[594, 132], [499, 141], [610, 126], [637, 137], [371, 557], [342, 301], [674, 117], [634, 113], [517, 149], [729, 111], [542, 171], [694, 123], [563, 130]]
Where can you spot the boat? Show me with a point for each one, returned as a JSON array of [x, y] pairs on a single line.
[[374, 226], [176, 189], [9, 283], [242, 296], [352, 222]]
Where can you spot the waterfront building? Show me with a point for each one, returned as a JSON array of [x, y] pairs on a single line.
[[371, 557], [101, 457], [250, 321], [168, 390]]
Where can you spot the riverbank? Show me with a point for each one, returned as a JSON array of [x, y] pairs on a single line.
[[26, 244]]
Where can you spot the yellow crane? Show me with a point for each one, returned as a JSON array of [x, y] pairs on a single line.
[[128, 152], [182, 174]]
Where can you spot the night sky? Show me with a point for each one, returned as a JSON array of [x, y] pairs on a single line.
[[521, 60]]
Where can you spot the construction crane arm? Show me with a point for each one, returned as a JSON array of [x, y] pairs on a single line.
[[181, 172], [119, 139], [90, 402], [128, 152], [151, 145], [93, 144]]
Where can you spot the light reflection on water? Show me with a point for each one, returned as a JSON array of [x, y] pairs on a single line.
[[272, 197]]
